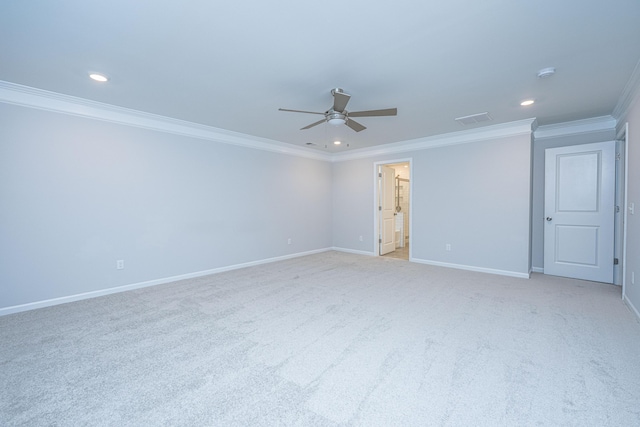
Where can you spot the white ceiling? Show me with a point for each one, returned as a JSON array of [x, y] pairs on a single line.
[[231, 65]]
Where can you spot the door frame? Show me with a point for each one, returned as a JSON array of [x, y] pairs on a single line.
[[622, 182], [376, 203]]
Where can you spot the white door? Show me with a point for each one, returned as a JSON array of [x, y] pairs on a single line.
[[579, 211], [387, 210]]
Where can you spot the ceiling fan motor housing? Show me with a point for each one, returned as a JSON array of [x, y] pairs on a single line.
[[336, 118]]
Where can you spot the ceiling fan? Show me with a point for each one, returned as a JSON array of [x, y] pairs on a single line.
[[337, 115]]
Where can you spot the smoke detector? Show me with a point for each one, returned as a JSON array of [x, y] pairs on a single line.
[[546, 72]]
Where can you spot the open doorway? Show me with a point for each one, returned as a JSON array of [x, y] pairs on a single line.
[[393, 208]]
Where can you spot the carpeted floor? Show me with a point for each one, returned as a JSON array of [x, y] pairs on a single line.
[[324, 340]]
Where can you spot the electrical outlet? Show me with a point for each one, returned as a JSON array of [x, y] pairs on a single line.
[[633, 278], [120, 264], [289, 241], [448, 247], [361, 238]]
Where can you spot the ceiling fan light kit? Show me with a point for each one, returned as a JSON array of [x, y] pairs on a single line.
[[338, 115], [336, 119]]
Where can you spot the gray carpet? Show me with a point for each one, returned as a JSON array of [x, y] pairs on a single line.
[[324, 340]]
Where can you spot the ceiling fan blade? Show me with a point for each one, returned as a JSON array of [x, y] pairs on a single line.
[[375, 113], [314, 124], [299, 111], [340, 100], [355, 125]]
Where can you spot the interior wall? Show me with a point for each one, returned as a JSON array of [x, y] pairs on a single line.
[[474, 196], [539, 147], [632, 287], [78, 194], [353, 206]]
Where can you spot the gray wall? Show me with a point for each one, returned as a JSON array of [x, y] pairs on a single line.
[[78, 194], [632, 290], [475, 196], [539, 145], [353, 213]]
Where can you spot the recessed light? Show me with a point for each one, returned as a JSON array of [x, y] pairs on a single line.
[[337, 142], [99, 77], [527, 102]]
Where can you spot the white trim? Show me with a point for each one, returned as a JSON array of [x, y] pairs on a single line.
[[632, 307], [352, 251], [102, 292], [12, 93], [630, 94], [472, 268], [376, 208], [625, 198], [537, 270], [454, 138], [576, 127]]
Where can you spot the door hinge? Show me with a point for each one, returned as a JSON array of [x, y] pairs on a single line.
[[615, 261], [379, 208], [618, 156], [379, 240], [380, 175], [617, 209]]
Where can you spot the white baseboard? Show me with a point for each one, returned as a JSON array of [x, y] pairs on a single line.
[[632, 307], [472, 268], [537, 270], [353, 251], [86, 295]]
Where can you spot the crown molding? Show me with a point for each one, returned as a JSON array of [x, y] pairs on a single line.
[[576, 127], [12, 93], [502, 130], [630, 95]]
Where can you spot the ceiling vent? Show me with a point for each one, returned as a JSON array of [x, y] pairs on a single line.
[[474, 118], [545, 73]]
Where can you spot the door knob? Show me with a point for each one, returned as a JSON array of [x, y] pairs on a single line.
[[549, 218]]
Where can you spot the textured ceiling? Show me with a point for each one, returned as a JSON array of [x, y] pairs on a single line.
[[231, 65]]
